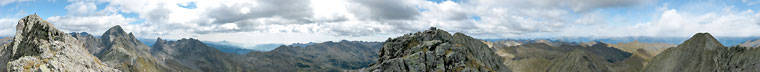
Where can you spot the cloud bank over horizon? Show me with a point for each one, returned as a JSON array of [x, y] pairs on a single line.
[[301, 21]]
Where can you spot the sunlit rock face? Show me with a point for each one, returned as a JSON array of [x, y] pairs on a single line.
[[38, 46]]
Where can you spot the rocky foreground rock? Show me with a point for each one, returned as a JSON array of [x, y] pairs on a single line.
[[437, 50], [38, 46]]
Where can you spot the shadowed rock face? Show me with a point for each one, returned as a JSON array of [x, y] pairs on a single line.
[[38, 46], [437, 50], [703, 53]]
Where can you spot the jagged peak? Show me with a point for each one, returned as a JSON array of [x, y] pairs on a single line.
[[159, 41], [29, 23], [188, 40], [702, 40], [432, 32], [29, 31], [117, 31], [117, 27]]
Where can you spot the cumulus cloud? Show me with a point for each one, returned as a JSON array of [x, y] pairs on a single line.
[[351, 19], [93, 24], [8, 26], [673, 23], [341, 17], [385, 9]]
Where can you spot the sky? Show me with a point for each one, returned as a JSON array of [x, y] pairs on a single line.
[[254, 22]]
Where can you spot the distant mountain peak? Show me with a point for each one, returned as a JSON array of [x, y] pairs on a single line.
[[703, 40], [115, 31]]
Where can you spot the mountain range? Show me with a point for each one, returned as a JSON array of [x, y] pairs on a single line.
[[39, 46]]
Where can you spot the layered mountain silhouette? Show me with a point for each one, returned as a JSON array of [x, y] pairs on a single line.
[[39, 46], [751, 43], [321, 57], [192, 55], [544, 55]]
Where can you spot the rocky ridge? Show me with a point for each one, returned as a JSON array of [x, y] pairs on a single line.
[[553, 56], [436, 50], [38, 46], [703, 53], [192, 55]]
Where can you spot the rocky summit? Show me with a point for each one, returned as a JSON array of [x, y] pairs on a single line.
[[38, 46], [122, 51], [437, 50], [703, 53]]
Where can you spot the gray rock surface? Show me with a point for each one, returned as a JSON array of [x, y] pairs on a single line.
[[38, 46], [437, 50]]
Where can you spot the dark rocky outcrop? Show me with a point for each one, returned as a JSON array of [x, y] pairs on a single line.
[[437, 50], [703, 53], [38, 46]]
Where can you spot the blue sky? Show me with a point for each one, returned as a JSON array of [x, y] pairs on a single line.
[[300, 21]]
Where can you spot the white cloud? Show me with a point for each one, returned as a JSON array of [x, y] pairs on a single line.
[[8, 26], [81, 8], [288, 21], [673, 23], [92, 24]]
